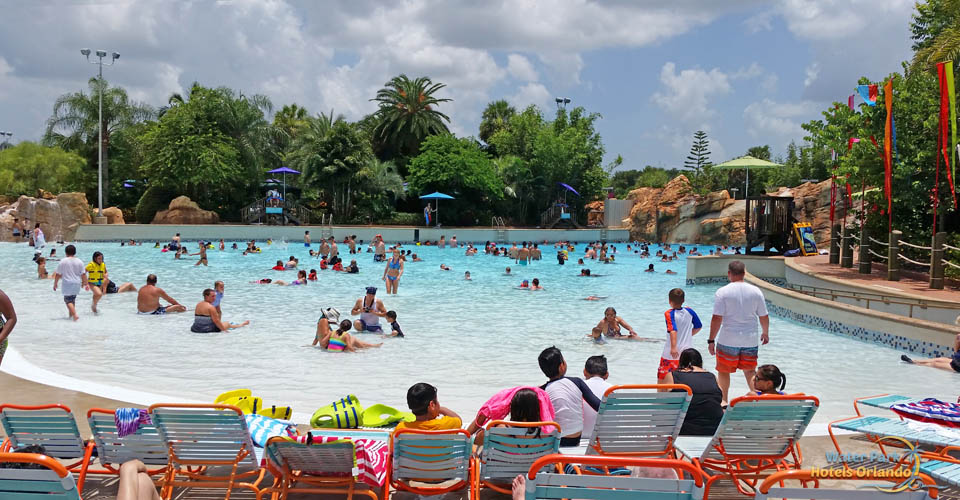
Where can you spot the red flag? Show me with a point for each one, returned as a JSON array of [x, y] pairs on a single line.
[[850, 102], [944, 137], [887, 143], [874, 92]]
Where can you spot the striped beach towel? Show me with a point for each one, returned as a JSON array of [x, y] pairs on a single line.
[[930, 410], [263, 428]]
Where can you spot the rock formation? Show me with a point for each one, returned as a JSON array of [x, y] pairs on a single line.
[[114, 215], [184, 211], [675, 213], [58, 215], [594, 213]]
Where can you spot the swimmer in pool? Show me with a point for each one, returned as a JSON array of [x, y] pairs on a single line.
[[611, 324], [595, 297], [202, 253], [417, 259], [535, 284], [585, 272], [670, 272], [279, 266], [951, 364], [650, 269], [42, 268], [466, 276], [206, 318], [292, 263], [392, 272], [340, 340], [597, 335], [507, 272], [444, 267]]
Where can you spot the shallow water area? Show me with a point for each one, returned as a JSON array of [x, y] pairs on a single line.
[[468, 338]]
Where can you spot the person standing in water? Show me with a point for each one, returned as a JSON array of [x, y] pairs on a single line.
[[97, 278], [392, 272], [306, 239], [8, 320], [202, 253], [206, 319], [71, 271]]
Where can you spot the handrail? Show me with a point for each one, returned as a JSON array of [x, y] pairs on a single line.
[[951, 264], [878, 242], [948, 247], [903, 242], [902, 257], [834, 295], [875, 254], [873, 296]]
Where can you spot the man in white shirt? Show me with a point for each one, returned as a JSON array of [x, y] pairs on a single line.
[[595, 374], [733, 328], [74, 275]]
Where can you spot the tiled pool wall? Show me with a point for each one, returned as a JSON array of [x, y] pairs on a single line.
[[920, 337], [214, 232]]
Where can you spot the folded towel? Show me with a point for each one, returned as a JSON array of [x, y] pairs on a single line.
[[263, 428], [129, 420], [930, 410]]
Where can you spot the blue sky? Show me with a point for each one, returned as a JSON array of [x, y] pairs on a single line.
[[748, 72]]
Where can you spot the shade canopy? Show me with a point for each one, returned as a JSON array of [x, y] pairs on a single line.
[[747, 162], [568, 188], [436, 195], [282, 170], [127, 185], [275, 181]]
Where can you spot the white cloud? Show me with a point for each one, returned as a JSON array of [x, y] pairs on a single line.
[[769, 83], [686, 93], [531, 93], [519, 67], [812, 72], [752, 71], [777, 123], [759, 22]]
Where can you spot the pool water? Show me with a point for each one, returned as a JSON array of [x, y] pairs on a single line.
[[468, 338]]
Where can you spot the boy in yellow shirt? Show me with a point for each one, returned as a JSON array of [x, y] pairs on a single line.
[[422, 400]]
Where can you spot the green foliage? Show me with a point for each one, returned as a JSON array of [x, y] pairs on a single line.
[[152, 201], [407, 115], [544, 153], [495, 117], [623, 181], [209, 148], [28, 166], [704, 178], [74, 126], [935, 30], [459, 168]]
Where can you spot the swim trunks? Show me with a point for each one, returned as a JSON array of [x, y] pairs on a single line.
[[667, 366], [3, 346], [731, 359], [69, 299], [955, 362], [369, 328], [111, 287], [160, 310]]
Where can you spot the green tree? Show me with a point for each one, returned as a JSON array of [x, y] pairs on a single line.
[[935, 30], [495, 117], [407, 115], [699, 161], [330, 151], [75, 123], [458, 167], [380, 186], [28, 167]]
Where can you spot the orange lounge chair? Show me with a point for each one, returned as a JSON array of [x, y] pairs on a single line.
[[53, 482], [51, 426]]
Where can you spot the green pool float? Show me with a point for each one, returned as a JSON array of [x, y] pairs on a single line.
[[383, 415], [341, 414]]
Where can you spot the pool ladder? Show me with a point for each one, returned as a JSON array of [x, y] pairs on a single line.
[[501, 229], [326, 226]]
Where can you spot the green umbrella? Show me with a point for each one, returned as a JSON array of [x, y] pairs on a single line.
[[747, 162]]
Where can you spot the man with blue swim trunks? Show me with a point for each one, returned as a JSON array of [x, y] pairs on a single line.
[[370, 309]]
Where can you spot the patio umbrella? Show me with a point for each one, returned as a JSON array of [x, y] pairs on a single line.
[[747, 162], [284, 171], [436, 195]]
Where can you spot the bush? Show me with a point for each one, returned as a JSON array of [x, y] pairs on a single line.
[[404, 219], [153, 200]]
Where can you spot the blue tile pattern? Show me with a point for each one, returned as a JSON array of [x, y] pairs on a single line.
[[898, 342]]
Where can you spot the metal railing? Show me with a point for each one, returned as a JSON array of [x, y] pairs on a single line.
[[869, 297], [497, 221], [257, 211]]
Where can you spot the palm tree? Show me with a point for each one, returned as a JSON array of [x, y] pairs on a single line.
[[495, 117], [408, 114], [936, 33], [74, 125]]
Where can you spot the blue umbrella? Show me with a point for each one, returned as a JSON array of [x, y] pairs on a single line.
[[568, 188], [436, 195], [284, 171], [127, 185]]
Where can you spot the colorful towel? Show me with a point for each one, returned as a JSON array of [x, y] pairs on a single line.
[[930, 410], [498, 407], [129, 420], [372, 456], [263, 428]]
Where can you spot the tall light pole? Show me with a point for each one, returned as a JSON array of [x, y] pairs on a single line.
[[99, 62], [562, 102], [5, 141]]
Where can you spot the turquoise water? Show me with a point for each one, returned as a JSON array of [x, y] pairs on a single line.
[[469, 338]]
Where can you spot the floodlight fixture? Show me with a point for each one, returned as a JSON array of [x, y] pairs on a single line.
[[116, 55], [101, 53], [85, 52]]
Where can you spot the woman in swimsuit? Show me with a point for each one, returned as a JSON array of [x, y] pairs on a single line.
[[393, 272], [340, 340], [611, 324], [207, 320]]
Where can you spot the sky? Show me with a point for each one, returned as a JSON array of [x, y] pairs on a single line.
[[748, 72]]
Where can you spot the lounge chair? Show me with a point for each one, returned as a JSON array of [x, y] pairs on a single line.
[[769, 489], [757, 434], [51, 426], [542, 485], [430, 458], [313, 468], [53, 482], [881, 429], [882, 401], [942, 466], [509, 449], [204, 436], [112, 451], [638, 421]]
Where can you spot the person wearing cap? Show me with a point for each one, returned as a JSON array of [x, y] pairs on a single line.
[[370, 309], [330, 316]]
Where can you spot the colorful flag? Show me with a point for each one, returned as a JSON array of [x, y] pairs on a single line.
[[944, 139], [868, 93], [887, 150], [850, 102], [951, 95]]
